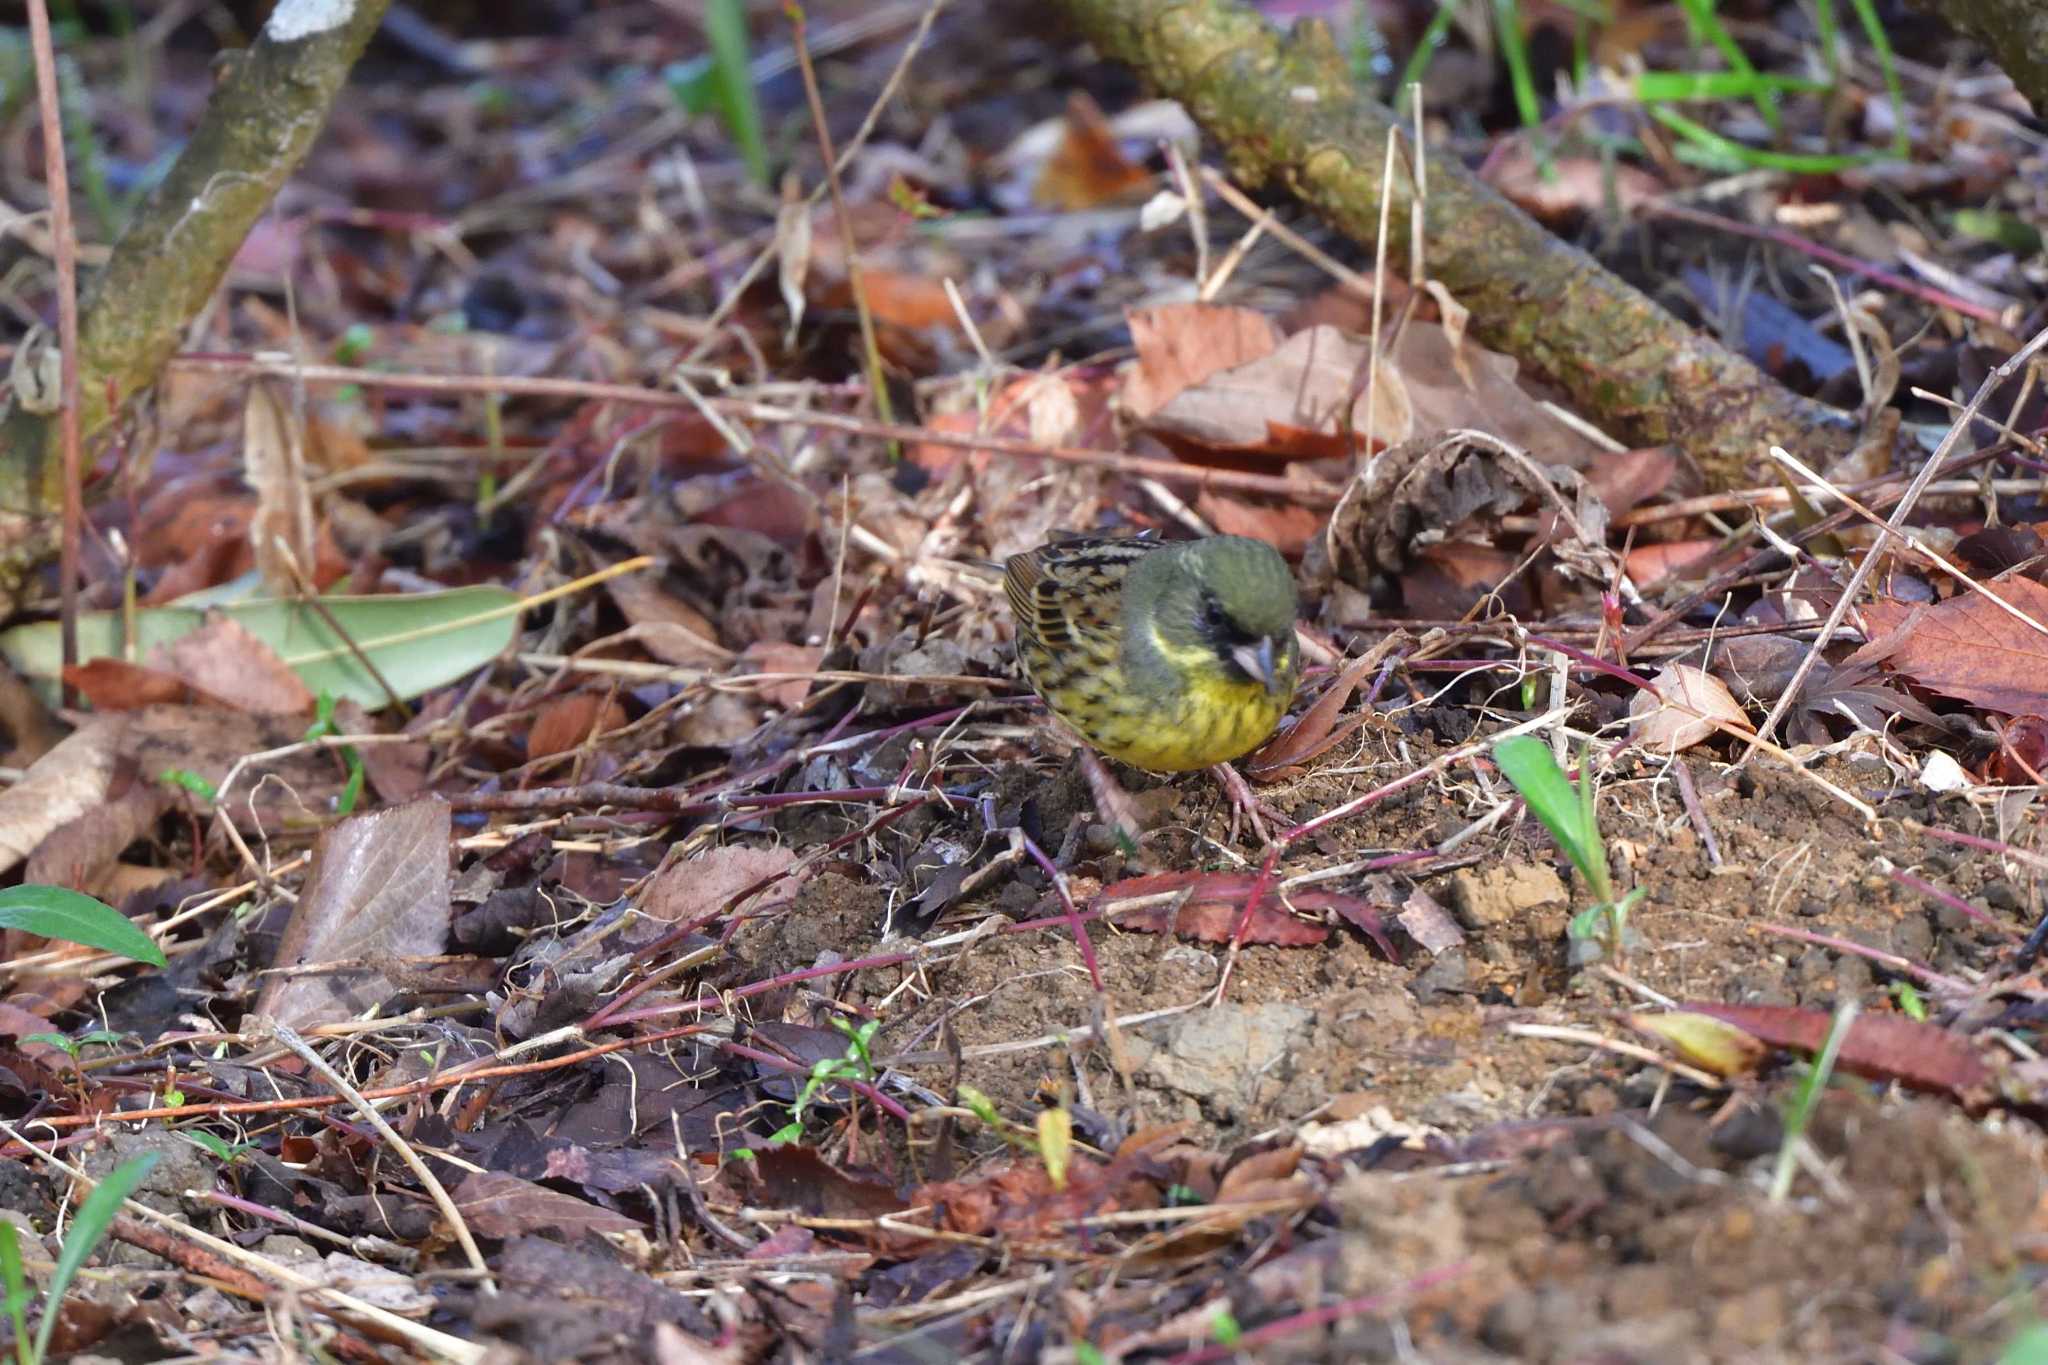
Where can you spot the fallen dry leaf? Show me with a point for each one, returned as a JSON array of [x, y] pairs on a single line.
[[566, 724], [1689, 705], [696, 887], [1182, 344], [1970, 648], [378, 889]]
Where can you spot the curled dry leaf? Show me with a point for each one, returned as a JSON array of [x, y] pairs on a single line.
[[1423, 489], [1880, 1047], [379, 888], [1688, 705], [695, 888], [1712, 1044], [1316, 730], [568, 723]]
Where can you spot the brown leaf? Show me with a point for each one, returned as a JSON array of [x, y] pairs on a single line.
[[1312, 733], [1880, 1047], [378, 888], [116, 685], [665, 626], [701, 886], [1182, 344], [495, 1204], [566, 724], [1286, 526], [1683, 710], [1971, 649], [1088, 169], [225, 662]]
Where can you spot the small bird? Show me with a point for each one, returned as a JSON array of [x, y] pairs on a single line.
[[1167, 655]]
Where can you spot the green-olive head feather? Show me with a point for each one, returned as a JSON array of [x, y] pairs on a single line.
[[1227, 597]]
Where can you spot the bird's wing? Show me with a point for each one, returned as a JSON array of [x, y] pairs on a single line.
[[1070, 593]]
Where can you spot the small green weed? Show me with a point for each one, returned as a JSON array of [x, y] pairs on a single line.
[[856, 1065], [88, 1229], [59, 912], [1566, 810]]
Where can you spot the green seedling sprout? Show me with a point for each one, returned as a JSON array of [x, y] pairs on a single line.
[[1566, 810], [1800, 1113], [723, 83], [856, 1065], [88, 1229], [323, 725]]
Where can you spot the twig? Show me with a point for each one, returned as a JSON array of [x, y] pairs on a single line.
[[56, 175], [871, 351], [427, 1178], [1886, 531], [439, 1344]]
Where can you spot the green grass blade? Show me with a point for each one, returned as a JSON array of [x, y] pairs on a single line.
[[1507, 24], [1881, 43], [16, 1283], [1425, 48], [1732, 155], [1808, 1096], [1526, 762], [1656, 87], [1700, 14], [59, 912], [88, 1229], [725, 24]]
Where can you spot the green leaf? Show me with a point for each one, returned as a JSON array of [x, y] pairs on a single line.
[[15, 1305], [725, 24], [190, 781], [88, 1229], [59, 912], [56, 1040], [2030, 1347], [1527, 763], [418, 641], [220, 1148]]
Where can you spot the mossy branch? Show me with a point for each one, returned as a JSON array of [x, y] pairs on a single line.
[[256, 130], [1286, 111]]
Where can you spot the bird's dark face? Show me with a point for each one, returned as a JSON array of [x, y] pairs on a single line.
[[1230, 603]]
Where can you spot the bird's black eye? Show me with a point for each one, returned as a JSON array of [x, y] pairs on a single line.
[[1213, 617]]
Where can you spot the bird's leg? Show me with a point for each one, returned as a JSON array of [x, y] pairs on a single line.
[[1112, 802], [1244, 804]]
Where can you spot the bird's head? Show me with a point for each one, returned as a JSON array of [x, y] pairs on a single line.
[[1226, 603]]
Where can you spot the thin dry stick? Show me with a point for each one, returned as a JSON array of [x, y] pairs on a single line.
[[58, 179], [427, 1178], [1913, 542], [438, 1344], [760, 262], [871, 350], [1886, 531]]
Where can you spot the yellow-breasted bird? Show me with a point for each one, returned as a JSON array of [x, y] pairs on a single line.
[[1168, 655]]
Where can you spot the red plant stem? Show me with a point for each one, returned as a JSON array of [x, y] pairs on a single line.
[[2027, 856], [1877, 955], [1953, 902], [56, 175], [1840, 260], [769, 1059], [425, 1085], [677, 801], [1320, 1317], [701, 1003], [682, 931]]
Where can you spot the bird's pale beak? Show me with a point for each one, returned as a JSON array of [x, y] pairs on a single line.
[[1258, 661]]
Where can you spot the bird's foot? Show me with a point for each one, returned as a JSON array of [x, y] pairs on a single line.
[[1245, 805], [1112, 803]]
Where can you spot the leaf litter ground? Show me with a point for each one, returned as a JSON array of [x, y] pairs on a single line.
[[751, 1016]]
